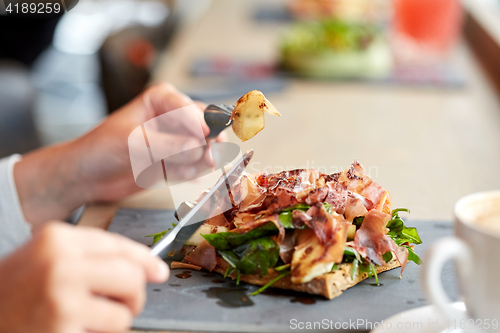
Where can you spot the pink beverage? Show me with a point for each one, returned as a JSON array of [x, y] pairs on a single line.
[[431, 25]]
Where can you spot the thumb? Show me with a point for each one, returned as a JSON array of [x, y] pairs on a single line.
[[175, 148]]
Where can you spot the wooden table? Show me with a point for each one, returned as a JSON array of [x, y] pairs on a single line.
[[428, 147]]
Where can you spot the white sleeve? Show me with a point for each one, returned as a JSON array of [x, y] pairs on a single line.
[[14, 230]]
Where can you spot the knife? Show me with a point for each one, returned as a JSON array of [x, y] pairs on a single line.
[[177, 237]]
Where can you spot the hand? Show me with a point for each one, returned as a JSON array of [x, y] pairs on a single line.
[[75, 280], [52, 182]]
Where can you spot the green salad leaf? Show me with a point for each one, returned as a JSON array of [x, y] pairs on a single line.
[[412, 256], [398, 230], [253, 257], [286, 217], [350, 254], [159, 235], [387, 256], [270, 283], [229, 240], [358, 221], [403, 235], [368, 267]]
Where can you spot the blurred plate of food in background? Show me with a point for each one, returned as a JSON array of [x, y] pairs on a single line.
[[336, 49]]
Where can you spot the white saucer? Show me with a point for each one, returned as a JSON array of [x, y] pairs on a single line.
[[426, 319]]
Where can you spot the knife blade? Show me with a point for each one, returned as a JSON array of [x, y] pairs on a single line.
[[178, 236]]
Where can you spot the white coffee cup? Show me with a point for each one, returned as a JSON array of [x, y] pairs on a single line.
[[476, 252]]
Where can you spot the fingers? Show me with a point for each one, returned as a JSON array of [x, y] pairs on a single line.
[[84, 278], [118, 279], [164, 97], [177, 148], [107, 316], [108, 245], [222, 137]]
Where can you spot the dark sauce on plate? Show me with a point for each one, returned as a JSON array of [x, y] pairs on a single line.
[[303, 300], [208, 275], [230, 297], [183, 275], [296, 297]]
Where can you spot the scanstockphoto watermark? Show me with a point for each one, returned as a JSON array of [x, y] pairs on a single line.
[[405, 326], [364, 324], [257, 167]]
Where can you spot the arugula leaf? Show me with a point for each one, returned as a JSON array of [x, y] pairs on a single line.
[[286, 214], [270, 283], [304, 207], [254, 257], [299, 206], [334, 267], [411, 233], [286, 219], [412, 256], [351, 254], [328, 208], [159, 235], [399, 232], [387, 256], [397, 210], [229, 270], [354, 269], [229, 240], [368, 267], [282, 267], [358, 221]]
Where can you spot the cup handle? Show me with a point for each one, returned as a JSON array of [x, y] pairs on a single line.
[[446, 249]]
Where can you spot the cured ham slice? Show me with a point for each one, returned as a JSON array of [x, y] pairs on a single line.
[[287, 247], [250, 225], [217, 218], [321, 223], [204, 256], [358, 182], [249, 193], [316, 195], [337, 196], [354, 208], [372, 242], [300, 218]]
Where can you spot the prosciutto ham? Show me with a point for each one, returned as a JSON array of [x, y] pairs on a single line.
[[372, 242], [354, 208], [358, 182], [319, 237], [204, 256], [252, 224]]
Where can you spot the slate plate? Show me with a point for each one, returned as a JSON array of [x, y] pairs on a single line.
[[185, 304]]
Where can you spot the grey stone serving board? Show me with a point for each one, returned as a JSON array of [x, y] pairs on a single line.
[[183, 304]]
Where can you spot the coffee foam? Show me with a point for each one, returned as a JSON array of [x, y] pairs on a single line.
[[481, 210]]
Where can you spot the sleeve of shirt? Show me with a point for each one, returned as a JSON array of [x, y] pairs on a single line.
[[14, 230]]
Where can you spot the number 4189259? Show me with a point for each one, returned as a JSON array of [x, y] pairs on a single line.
[[33, 8]]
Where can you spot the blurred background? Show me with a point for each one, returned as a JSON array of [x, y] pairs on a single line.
[[376, 66]]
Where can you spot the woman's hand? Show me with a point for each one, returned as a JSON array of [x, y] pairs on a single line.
[[54, 181], [75, 280]]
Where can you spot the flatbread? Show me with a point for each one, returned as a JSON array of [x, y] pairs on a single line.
[[329, 285]]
